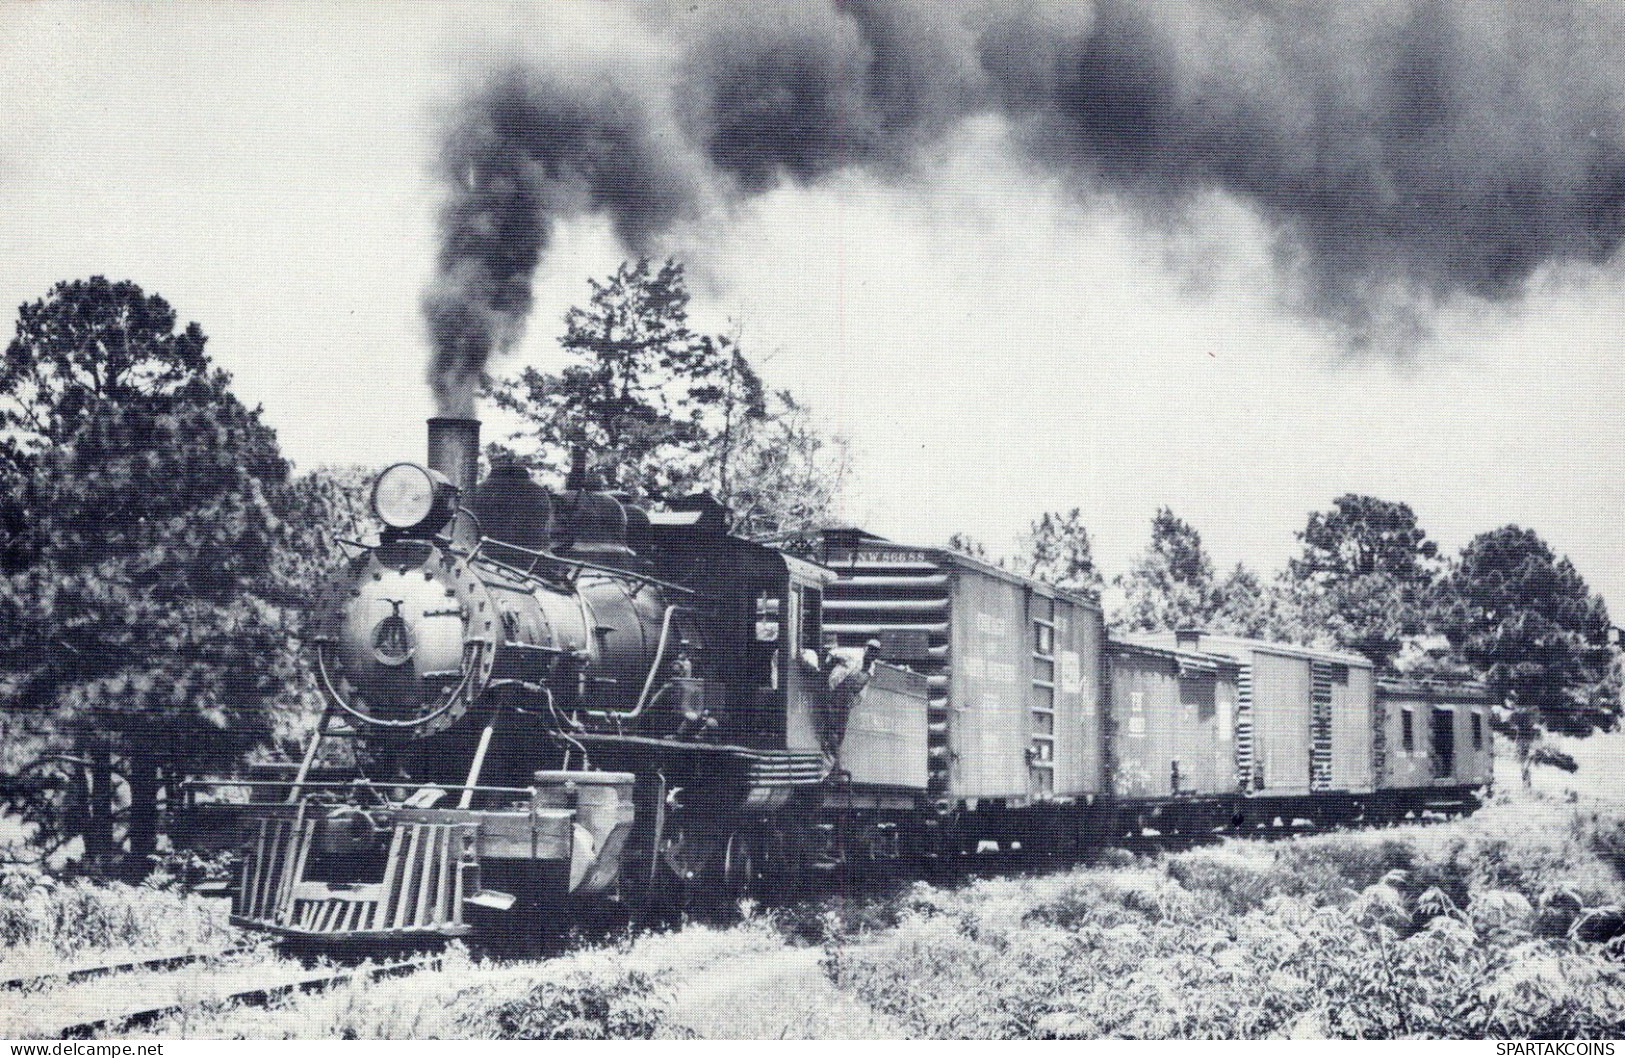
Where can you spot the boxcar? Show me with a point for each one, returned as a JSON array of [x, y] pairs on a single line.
[[1434, 736], [1304, 722], [1172, 722], [1013, 666]]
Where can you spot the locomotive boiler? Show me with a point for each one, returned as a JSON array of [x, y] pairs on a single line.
[[555, 695]]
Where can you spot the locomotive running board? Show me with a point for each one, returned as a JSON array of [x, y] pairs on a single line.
[[775, 767]]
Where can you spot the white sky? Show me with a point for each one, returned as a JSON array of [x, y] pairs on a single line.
[[991, 348]]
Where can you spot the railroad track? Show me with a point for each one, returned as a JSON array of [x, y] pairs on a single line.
[[260, 995], [89, 973]]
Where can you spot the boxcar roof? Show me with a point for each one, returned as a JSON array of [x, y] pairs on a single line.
[[1187, 659], [1471, 690], [1228, 643], [857, 540]]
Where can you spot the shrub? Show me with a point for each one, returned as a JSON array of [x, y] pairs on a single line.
[[1476, 929], [72, 917], [841, 919], [1290, 967], [583, 1006], [1607, 838]]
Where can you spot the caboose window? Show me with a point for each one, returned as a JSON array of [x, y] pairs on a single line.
[[1407, 730], [1478, 730]]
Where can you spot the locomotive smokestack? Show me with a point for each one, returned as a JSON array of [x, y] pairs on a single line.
[[454, 450]]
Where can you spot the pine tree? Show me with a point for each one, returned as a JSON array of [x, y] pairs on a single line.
[[146, 621], [1526, 620], [1366, 579], [1171, 585], [1059, 553], [652, 403]]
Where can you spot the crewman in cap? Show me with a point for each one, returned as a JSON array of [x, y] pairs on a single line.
[[847, 671]]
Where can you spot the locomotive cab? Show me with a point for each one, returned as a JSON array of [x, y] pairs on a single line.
[[765, 622]]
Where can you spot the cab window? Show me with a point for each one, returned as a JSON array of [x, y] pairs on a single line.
[[764, 646], [812, 618]]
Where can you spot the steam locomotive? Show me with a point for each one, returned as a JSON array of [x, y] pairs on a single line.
[[560, 697]]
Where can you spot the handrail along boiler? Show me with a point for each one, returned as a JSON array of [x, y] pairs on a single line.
[[554, 695]]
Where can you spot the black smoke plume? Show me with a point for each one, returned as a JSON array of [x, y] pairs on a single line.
[[1403, 152]]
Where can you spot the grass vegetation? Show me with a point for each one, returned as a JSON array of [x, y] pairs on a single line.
[[1508, 923], [49, 922], [1505, 924], [623, 990]]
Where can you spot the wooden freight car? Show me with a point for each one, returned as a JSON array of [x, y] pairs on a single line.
[[1172, 727], [1433, 736], [1013, 667], [1170, 738], [1304, 723]]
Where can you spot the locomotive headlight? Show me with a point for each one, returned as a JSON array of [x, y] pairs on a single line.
[[408, 496]]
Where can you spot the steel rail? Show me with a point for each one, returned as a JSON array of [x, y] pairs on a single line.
[[87, 973], [254, 997]]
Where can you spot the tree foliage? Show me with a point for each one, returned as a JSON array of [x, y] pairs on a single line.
[[783, 476], [148, 617], [968, 545], [1525, 619], [644, 396], [91, 341], [326, 507], [1361, 536], [14, 482], [660, 410], [86, 342], [1365, 580], [1171, 584], [1247, 606], [1058, 552]]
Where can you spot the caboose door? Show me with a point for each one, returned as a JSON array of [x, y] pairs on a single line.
[[1443, 743]]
